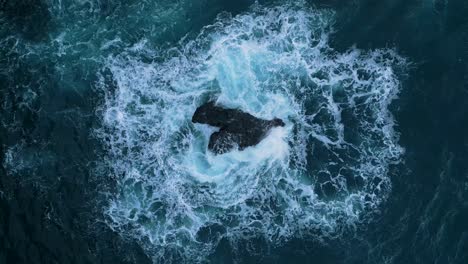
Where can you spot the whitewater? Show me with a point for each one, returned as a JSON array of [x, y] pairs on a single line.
[[323, 173]]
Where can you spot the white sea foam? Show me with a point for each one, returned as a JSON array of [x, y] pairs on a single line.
[[325, 170]]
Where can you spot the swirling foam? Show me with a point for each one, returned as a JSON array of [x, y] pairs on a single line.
[[325, 170]]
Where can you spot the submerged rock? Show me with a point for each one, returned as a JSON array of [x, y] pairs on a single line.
[[236, 127]]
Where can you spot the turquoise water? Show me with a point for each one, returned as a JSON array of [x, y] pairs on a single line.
[[101, 163]]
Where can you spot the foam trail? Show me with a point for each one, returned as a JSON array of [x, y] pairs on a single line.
[[325, 170]]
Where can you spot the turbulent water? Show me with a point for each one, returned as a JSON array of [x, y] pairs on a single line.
[[102, 164]]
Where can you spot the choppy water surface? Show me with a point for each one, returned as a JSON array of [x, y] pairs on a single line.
[[326, 169], [97, 101]]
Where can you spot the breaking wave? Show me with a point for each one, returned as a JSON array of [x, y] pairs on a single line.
[[326, 170]]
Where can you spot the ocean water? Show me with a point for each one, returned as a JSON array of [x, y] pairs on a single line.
[[102, 164]]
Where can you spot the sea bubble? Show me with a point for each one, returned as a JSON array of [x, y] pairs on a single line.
[[324, 170]]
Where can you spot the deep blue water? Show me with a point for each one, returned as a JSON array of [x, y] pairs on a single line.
[[101, 164]]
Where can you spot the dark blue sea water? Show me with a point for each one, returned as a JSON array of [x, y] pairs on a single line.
[[101, 163]]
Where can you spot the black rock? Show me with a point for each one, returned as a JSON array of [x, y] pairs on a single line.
[[236, 127]]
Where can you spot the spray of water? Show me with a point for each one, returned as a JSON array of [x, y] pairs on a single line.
[[325, 170]]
